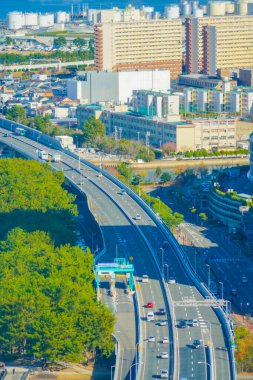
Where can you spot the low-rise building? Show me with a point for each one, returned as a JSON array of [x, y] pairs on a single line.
[[182, 135]]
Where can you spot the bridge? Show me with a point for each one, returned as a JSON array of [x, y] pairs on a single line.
[[143, 239]]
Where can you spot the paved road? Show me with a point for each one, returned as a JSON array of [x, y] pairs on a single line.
[[192, 362]]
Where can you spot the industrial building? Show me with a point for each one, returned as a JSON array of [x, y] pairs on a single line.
[[141, 45], [223, 42], [209, 134], [117, 87]]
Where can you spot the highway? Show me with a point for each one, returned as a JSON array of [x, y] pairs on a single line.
[[142, 237]]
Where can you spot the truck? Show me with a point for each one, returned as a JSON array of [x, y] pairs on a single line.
[[20, 131], [43, 155], [57, 157]]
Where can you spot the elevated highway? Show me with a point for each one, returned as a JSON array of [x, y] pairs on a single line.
[[143, 240]]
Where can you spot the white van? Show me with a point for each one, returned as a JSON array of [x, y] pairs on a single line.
[[150, 316], [145, 278]]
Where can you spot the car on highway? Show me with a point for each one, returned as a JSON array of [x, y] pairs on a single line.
[[196, 343], [151, 339], [137, 217], [165, 340], [162, 311], [144, 278], [172, 280], [150, 316], [164, 374], [233, 292], [182, 324], [162, 322], [164, 355], [149, 305], [194, 323], [244, 280]]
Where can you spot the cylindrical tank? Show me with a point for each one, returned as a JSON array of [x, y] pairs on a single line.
[[230, 7], [242, 9], [31, 19], [15, 20], [148, 11], [156, 15], [61, 17], [194, 5], [186, 9], [198, 12], [216, 8], [46, 20], [171, 11]]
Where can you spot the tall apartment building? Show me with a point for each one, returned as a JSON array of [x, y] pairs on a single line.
[[224, 42], [142, 45]]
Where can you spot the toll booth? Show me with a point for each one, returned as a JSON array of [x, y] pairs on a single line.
[[119, 267]]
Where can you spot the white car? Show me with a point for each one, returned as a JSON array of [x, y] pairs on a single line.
[[165, 340], [164, 355], [151, 339], [163, 323], [164, 374], [195, 323], [172, 280], [145, 278], [137, 217]]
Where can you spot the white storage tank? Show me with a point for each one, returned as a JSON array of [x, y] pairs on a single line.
[[15, 20], [242, 9], [31, 19], [172, 11], [46, 20], [186, 9], [62, 17], [148, 11], [198, 13], [194, 4], [156, 15], [216, 8], [230, 7]]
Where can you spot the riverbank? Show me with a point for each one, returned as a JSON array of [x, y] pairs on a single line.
[[164, 164]]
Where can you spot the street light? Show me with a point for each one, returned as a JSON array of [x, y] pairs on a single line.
[[159, 204], [208, 276], [167, 272], [222, 289], [162, 251], [135, 364], [112, 366], [205, 364]]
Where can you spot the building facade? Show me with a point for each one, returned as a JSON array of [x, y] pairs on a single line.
[[116, 87], [223, 42], [147, 44], [250, 175], [182, 135], [152, 103]]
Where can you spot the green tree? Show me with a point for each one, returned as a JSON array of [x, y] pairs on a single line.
[[93, 128], [165, 177], [8, 40], [60, 41], [126, 171], [146, 155], [48, 304], [79, 42], [157, 174], [42, 123], [17, 114]]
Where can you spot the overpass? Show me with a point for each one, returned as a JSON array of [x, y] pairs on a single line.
[[143, 239]]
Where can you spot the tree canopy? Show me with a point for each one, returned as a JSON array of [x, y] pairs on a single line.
[[47, 302], [17, 114], [93, 128], [32, 197], [60, 41]]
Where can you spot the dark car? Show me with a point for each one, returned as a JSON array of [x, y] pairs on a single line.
[[182, 324], [196, 343], [162, 311]]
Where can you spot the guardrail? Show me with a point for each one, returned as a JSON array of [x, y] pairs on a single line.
[[51, 142]]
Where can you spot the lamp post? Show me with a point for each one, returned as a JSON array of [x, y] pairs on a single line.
[[112, 366], [167, 272], [205, 364], [222, 289], [208, 276], [135, 364], [159, 204], [162, 251]]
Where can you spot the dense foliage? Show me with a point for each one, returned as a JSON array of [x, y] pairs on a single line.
[[244, 349], [92, 129], [17, 113], [32, 197], [47, 302]]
